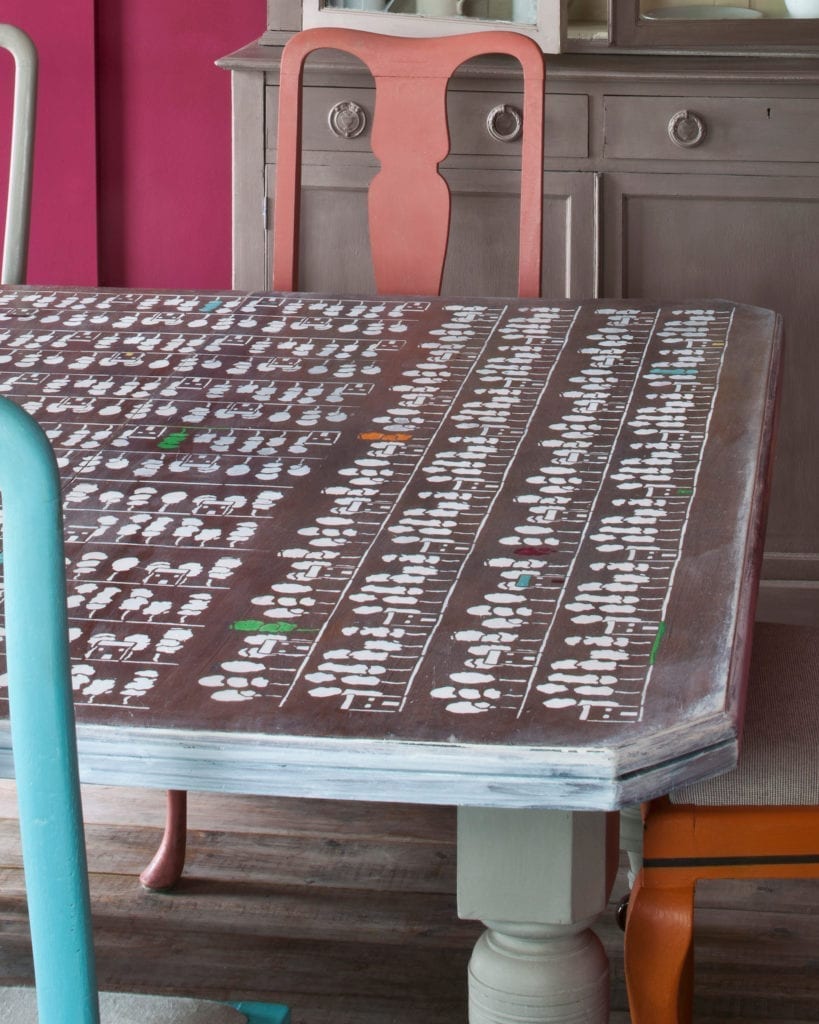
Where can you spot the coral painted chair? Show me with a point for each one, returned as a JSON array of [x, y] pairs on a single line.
[[759, 821], [45, 761], [409, 201]]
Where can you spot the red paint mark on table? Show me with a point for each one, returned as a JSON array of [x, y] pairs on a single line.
[[536, 549]]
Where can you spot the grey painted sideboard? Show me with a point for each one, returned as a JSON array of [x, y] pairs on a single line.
[[665, 176]]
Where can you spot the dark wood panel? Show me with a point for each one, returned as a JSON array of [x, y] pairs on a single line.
[[104, 805]]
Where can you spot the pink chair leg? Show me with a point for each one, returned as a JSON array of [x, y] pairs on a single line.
[[165, 869], [659, 954]]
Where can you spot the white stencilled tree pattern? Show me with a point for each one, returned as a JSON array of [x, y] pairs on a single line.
[[458, 511]]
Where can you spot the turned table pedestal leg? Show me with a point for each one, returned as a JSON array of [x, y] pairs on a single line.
[[537, 879]]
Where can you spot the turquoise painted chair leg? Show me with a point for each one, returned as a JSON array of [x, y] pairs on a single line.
[[42, 723]]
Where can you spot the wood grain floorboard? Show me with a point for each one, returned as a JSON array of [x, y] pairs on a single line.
[[346, 912]]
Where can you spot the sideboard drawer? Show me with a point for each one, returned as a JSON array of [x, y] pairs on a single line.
[[715, 128], [340, 120]]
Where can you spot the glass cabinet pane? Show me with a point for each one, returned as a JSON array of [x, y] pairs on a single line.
[[727, 26], [735, 10], [542, 19], [522, 12]]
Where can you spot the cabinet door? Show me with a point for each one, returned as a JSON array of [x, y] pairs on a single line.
[[483, 248], [750, 239]]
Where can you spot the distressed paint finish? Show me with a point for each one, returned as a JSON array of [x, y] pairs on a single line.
[[431, 550]]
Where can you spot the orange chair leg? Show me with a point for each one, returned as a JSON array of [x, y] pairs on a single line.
[[659, 954], [165, 869]]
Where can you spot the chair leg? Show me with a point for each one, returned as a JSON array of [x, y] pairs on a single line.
[[659, 953], [165, 869], [631, 843], [631, 839]]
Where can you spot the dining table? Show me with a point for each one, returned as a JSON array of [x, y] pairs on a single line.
[[490, 553]]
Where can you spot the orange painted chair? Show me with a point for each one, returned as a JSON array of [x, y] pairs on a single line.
[[759, 821], [408, 202]]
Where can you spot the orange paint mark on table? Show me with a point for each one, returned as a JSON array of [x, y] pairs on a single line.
[[377, 435]]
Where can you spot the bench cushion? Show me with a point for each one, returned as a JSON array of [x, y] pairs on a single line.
[[779, 755], [18, 1006]]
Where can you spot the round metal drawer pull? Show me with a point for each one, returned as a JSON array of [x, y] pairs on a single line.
[[686, 129], [504, 123], [347, 120]]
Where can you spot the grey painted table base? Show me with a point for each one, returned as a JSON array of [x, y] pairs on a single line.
[[537, 879]]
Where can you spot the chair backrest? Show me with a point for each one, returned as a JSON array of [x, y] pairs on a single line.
[[18, 203], [42, 723], [409, 201]]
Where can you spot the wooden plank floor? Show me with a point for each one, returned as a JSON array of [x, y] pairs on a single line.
[[346, 912]]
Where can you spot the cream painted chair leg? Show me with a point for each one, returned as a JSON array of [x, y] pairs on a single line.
[[18, 201], [537, 879], [631, 842], [631, 839]]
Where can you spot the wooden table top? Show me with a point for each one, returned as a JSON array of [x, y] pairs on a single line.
[[434, 550]]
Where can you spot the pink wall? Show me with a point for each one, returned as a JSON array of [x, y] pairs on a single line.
[[132, 176], [64, 216]]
